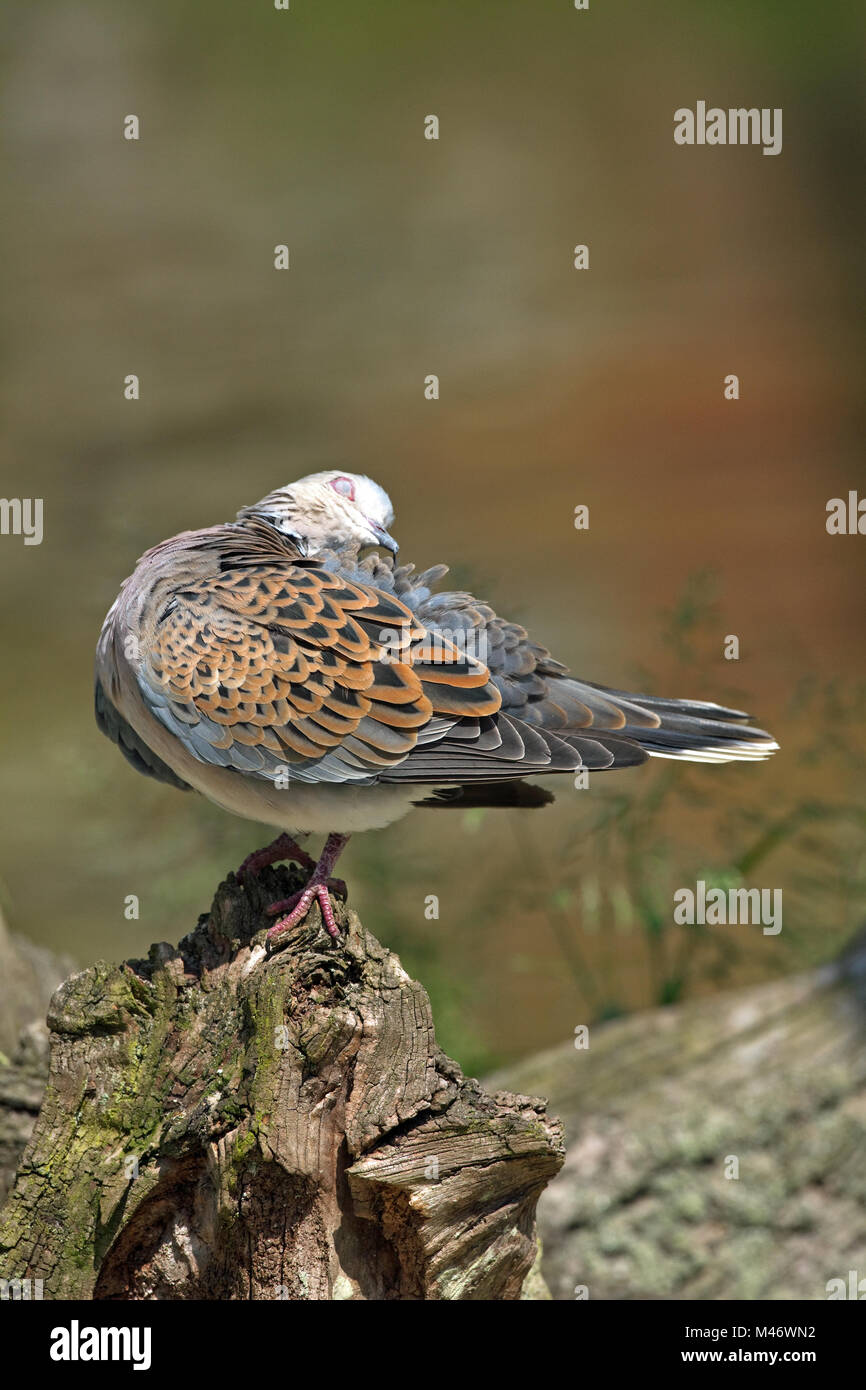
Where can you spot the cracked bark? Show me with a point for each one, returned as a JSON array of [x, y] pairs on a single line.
[[223, 1124]]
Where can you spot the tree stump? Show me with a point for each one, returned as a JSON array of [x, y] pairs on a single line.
[[221, 1123]]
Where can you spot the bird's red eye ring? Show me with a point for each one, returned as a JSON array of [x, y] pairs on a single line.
[[345, 487]]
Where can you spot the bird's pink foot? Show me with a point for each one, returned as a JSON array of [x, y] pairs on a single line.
[[335, 886], [284, 847], [297, 906], [303, 902]]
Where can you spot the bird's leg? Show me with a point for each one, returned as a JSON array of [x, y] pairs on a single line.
[[283, 847], [297, 907]]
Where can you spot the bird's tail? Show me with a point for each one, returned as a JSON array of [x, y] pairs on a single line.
[[695, 731]]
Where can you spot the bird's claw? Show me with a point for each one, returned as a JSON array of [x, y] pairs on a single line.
[[296, 908]]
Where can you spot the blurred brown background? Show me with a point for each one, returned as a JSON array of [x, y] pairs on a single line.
[[558, 387]]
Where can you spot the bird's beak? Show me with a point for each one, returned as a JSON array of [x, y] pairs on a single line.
[[383, 538]]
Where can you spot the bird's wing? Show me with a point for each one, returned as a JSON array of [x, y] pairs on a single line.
[[607, 727], [112, 723], [263, 667]]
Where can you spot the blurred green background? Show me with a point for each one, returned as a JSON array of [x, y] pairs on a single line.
[[558, 387]]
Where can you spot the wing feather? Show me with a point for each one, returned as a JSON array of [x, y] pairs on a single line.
[[263, 664]]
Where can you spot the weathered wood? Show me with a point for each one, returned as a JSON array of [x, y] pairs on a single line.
[[220, 1123], [650, 1203], [28, 977]]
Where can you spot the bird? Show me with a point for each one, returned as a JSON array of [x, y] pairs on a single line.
[[285, 666]]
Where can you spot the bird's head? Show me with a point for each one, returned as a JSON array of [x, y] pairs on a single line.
[[328, 511]]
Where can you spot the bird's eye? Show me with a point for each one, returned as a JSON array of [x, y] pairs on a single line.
[[345, 487]]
